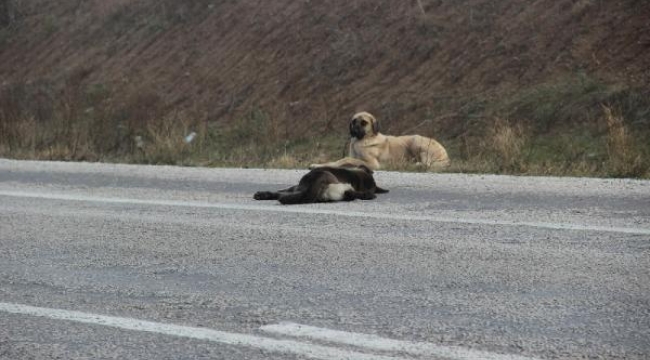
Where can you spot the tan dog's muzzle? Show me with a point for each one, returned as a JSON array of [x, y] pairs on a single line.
[[356, 129]]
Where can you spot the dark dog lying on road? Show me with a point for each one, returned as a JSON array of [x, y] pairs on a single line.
[[328, 184]]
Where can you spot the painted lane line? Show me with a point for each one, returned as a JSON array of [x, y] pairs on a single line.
[[377, 343], [269, 344], [313, 211]]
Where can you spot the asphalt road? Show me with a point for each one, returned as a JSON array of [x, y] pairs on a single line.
[[103, 261]]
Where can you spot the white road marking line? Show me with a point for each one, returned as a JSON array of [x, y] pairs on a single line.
[[374, 342], [269, 344], [306, 210]]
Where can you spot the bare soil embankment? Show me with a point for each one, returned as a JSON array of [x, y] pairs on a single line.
[[273, 76]]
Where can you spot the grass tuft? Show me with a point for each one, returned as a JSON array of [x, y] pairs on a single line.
[[506, 142], [623, 158]]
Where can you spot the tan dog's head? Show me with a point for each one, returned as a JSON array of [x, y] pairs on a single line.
[[363, 124]]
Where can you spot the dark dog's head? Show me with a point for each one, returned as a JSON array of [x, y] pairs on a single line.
[[363, 124]]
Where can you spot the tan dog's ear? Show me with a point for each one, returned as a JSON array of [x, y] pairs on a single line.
[[375, 126]]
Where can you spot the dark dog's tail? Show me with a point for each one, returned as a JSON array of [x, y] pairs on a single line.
[[379, 190]]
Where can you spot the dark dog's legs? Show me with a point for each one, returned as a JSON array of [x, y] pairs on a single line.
[[273, 195], [266, 195], [361, 195], [294, 198]]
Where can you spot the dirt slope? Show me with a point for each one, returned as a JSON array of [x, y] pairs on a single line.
[[312, 63]]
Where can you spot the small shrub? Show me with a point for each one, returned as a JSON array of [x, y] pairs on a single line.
[[165, 141], [506, 142]]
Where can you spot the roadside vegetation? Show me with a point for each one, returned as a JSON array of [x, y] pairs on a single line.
[[574, 128]]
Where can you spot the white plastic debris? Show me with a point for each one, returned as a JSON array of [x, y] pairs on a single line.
[[189, 138]]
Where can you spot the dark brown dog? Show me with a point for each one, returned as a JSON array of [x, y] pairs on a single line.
[[326, 184]]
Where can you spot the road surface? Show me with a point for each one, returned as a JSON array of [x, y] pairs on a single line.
[[122, 261]]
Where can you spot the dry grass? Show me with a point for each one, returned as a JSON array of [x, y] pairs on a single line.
[[506, 142], [79, 123], [624, 160], [506, 148], [285, 161], [164, 142]]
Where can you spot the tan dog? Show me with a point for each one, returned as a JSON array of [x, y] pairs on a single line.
[[375, 150]]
